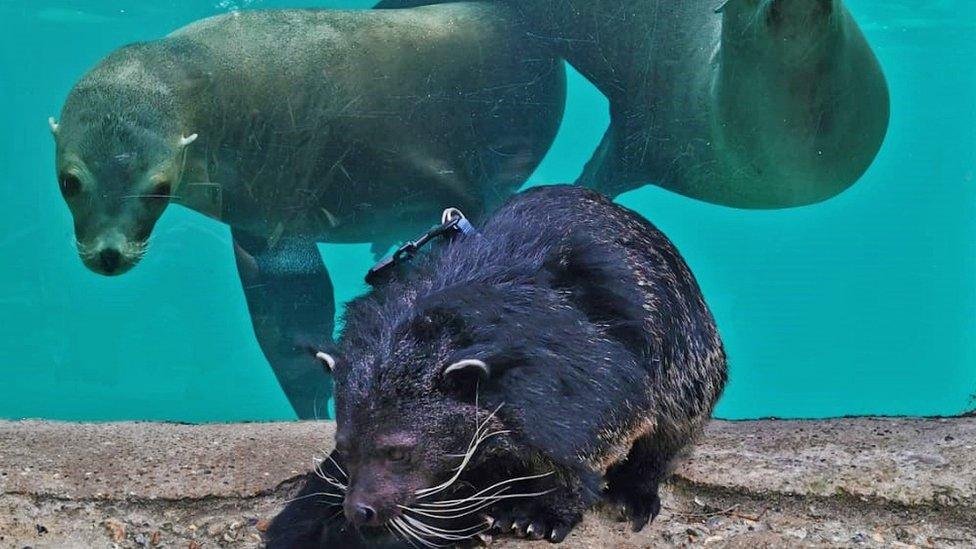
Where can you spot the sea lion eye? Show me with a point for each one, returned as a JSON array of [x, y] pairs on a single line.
[[162, 189], [70, 185]]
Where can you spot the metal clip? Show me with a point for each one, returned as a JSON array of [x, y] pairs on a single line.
[[452, 222]]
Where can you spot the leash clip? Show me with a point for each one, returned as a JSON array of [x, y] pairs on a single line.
[[453, 223]]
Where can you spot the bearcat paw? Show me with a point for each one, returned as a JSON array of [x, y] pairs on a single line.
[[535, 522], [641, 510]]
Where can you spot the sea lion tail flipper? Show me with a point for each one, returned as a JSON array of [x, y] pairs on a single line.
[[607, 171]]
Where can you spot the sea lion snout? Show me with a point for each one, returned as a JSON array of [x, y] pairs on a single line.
[[109, 260], [111, 254]]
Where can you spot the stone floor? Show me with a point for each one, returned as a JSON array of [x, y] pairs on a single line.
[[838, 483]]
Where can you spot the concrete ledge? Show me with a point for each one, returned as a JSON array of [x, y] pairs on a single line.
[[851, 482]]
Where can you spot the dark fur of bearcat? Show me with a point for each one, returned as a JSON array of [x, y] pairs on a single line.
[[582, 350]]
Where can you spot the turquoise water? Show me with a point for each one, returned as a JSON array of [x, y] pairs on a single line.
[[864, 304]]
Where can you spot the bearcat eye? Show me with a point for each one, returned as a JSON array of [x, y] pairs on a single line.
[[396, 454], [70, 185]]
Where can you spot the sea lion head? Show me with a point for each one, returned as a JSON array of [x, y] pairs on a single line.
[[120, 159]]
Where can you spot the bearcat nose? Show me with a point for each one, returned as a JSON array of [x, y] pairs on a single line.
[[109, 260], [360, 514]]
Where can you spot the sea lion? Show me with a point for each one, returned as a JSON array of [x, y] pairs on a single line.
[[304, 126], [745, 103], [562, 356]]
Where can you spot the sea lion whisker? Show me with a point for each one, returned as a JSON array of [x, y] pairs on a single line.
[[84, 250]]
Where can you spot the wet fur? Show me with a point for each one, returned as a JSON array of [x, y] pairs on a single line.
[[605, 361]]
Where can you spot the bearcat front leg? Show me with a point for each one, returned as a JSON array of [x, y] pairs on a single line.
[[634, 483]]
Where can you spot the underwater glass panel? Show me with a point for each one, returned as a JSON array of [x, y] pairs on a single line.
[[864, 303]]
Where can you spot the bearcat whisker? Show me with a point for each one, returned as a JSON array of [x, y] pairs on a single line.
[[427, 492], [413, 534], [321, 474], [426, 536], [480, 440], [449, 502], [441, 533], [393, 532], [320, 461], [333, 482], [438, 512], [476, 439], [406, 535], [477, 507], [453, 535], [453, 509], [336, 463], [482, 504], [306, 496]]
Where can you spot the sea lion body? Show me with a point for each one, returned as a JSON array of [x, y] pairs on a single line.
[[345, 127], [744, 103], [304, 126]]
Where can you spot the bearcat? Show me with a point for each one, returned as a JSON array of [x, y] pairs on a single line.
[[511, 379]]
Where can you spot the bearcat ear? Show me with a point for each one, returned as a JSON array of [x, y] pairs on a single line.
[[463, 377], [600, 282], [328, 361], [439, 320]]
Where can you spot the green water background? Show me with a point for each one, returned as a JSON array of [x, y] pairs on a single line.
[[864, 304]]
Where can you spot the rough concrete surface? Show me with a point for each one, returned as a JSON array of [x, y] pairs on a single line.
[[836, 483]]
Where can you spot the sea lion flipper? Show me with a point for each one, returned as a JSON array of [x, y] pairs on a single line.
[[289, 296], [605, 171]]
